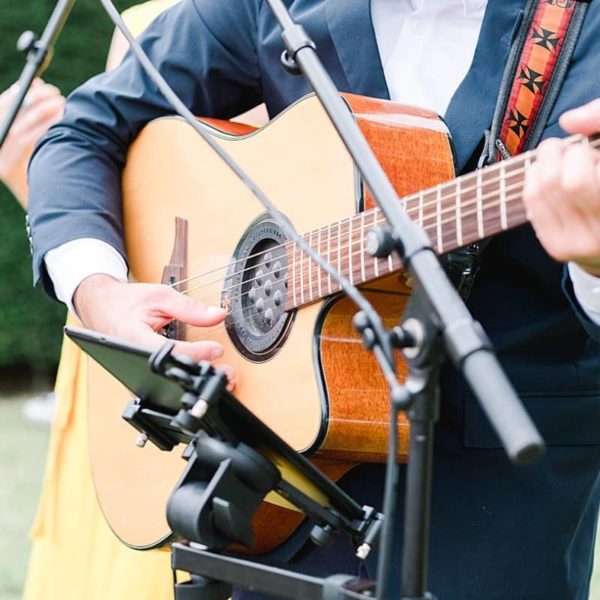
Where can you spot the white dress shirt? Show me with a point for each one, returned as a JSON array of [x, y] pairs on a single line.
[[426, 48]]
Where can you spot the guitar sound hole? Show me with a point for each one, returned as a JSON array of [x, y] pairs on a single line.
[[255, 292]]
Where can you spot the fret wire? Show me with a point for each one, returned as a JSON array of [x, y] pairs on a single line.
[[301, 278], [329, 256], [440, 243], [294, 274], [362, 246], [319, 270], [451, 211], [421, 197], [480, 227], [459, 236], [350, 274], [310, 268], [339, 249], [375, 259], [503, 217], [390, 262]]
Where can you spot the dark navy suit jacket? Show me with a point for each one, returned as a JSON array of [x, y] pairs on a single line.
[[222, 58]]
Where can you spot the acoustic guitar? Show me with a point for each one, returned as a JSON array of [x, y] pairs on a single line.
[[301, 367]]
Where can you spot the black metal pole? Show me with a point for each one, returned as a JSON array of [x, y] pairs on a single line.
[[39, 54], [262, 578], [466, 344], [423, 415], [444, 317]]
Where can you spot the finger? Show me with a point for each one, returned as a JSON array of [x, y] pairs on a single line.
[[581, 203], [8, 96], [40, 93], [584, 120], [187, 310], [561, 198], [543, 177], [547, 226], [49, 109], [540, 195], [204, 350], [579, 181], [230, 374]]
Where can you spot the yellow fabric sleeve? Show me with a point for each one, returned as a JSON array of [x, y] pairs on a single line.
[[75, 555]]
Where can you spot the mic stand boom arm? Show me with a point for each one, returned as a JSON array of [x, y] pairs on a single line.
[[39, 54]]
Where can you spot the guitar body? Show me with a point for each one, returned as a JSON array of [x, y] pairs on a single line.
[[317, 387]]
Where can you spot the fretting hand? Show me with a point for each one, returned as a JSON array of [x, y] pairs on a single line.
[[562, 193]]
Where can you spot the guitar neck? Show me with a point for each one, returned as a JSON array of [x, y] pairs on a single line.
[[462, 211]]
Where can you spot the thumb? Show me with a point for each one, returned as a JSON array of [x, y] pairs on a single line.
[[187, 310], [584, 120]]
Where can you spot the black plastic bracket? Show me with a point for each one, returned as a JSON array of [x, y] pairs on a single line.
[[202, 507]]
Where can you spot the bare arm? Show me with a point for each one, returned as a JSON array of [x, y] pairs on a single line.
[[43, 107]]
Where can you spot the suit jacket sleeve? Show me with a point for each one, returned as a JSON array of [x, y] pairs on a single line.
[[592, 328], [205, 49]]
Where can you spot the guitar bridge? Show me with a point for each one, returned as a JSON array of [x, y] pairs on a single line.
[[175, 275]]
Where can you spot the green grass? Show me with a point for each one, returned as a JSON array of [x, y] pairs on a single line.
[[22, 461]]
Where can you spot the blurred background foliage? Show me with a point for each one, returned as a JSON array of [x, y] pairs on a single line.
[[30, 324]]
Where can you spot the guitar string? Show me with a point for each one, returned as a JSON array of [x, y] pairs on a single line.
[[209, 330], [348, 234], [505, 165], [439, 198], [358, 241], [414, 199]]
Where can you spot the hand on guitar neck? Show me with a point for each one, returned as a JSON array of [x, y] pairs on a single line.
[[136, 311], [562, 193]]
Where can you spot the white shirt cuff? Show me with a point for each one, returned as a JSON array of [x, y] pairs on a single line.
[[587, 291], [69, 264]]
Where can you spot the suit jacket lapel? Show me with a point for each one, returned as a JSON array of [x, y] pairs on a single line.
[[351, 30], [471, 109]]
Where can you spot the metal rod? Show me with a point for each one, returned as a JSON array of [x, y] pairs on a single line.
[[39, 55]]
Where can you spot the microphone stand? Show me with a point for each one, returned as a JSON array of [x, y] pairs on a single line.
[[39, 54], [438, 320]]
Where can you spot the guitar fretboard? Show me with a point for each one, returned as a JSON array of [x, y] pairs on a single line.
[[465, 210]]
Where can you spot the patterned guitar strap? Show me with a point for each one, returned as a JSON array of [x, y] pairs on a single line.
[[536, 68]]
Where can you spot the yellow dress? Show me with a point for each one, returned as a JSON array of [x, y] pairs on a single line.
[[75, 556]]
